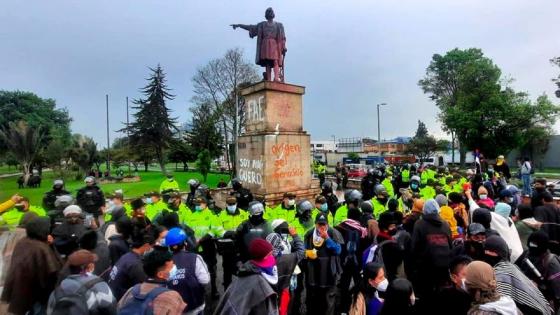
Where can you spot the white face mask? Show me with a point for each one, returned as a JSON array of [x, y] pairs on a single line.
[[232, 208], [172, 273], [382, 286], [483, 197], [291, 202]]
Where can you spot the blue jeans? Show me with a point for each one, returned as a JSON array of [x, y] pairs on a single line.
[[526, 184]]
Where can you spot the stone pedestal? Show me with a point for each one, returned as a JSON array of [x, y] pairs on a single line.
[[274, 151]]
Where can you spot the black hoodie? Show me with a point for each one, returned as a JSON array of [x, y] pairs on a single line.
[[431, 241]]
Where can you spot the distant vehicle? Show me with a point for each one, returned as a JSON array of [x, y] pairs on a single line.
[[356, 170]]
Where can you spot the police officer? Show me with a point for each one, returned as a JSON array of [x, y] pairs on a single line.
[[379, 202], [50, 196], [90, 199], [193, 186], [169, 184], [230, 219], [154, 204], [192, 272], [287, 209], [368, 184], [174, 205], [327, 191], [352, 199], [243, 195], [254, 227], [303, 220], [206, 226]]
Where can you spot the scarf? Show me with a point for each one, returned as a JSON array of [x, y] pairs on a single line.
[[268, 269], [512, 282], [355, 225], [317, 239]]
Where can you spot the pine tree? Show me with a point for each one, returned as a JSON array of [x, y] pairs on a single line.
[[153, 126]]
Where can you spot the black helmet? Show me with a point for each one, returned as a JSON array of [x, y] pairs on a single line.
[[327, 185], [352, 196], [304, 206], [236, 184]]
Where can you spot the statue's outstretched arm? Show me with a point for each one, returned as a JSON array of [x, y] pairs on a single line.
[[243, 26]]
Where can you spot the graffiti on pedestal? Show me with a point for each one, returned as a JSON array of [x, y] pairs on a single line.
[[287, 162], [255, 109], [251, 171]]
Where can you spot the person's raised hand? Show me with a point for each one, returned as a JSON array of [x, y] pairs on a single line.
[[16, 198]]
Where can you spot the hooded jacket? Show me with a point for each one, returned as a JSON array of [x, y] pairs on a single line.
[[249, 293], [431, 241]]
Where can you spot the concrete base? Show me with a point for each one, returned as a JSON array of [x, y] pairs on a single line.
[[273, 153]]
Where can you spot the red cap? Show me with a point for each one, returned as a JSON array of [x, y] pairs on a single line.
[[259, 249]]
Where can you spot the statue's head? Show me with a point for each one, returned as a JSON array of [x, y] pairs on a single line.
[[269, 14]]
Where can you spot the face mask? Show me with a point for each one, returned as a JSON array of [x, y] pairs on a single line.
[[392, 231], [256, 219], [483, 197], [19, 207], [324, 207], [306, 216], [231, 209], [197, 208], [491, 260], [414, 186], [172, 273], [291, 202], [382, 286], [148, 201], [170, 179]]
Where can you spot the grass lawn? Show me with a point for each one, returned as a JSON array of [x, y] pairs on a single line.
[[150, 181]]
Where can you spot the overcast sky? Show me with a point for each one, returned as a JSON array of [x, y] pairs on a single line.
[[350, 55]]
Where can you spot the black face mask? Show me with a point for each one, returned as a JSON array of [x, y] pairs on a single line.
[[256, 219], [491, 260], [305, 216], [477, 251], [540, 189], [383, 200], [19, 207], [392, 232], [536, 251]]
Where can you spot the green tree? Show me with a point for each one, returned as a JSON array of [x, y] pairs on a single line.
[[24, 142], [204, 163], [153, 126], [556, 61], [476, 108], [181, 152], [447, 81], [204, 133], [84, 153], [40, 113], [423, 145], [217, 84]]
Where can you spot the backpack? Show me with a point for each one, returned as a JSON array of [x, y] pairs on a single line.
[[74, 303], [374, 253], [141, 304]]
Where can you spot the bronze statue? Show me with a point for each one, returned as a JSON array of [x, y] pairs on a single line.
[[271, 45]]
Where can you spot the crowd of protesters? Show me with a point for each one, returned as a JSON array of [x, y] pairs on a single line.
[[412, 240]]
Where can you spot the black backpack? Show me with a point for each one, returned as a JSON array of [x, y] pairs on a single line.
[[74, 303]]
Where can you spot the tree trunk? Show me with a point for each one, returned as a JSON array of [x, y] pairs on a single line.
[[226, 146], [452, 147], [145, 166], [462, 156], [26, 172]]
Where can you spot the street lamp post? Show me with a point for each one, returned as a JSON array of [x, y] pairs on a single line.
[[378, 126]]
